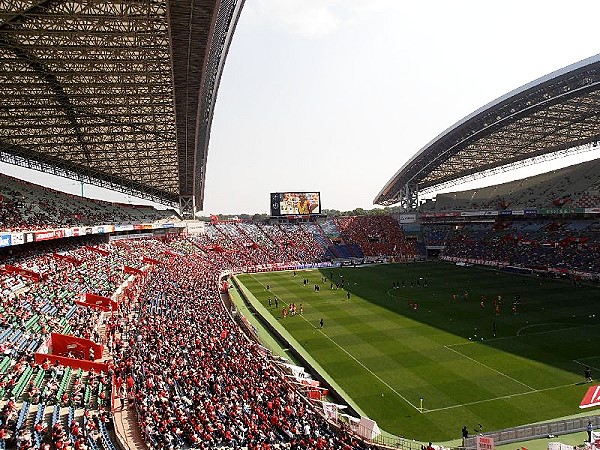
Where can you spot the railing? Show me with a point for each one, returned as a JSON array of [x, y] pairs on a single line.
[[397, 442], [536, 431]]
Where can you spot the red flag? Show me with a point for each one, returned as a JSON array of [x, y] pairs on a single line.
[[314, 395]]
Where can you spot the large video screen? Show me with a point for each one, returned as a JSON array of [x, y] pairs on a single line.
[[295, 203]]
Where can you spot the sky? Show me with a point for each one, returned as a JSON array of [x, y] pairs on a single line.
[[336, 95]]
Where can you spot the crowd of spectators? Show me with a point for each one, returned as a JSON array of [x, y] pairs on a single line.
[[376, 235], [240, 245], [216, 388], [540, 244], [26, 207], [35, 307], [576, 186], [194, 378]]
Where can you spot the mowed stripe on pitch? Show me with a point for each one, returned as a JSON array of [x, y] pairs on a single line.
[[394, 351]]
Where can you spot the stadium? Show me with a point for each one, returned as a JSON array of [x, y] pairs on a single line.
[[467, 319]]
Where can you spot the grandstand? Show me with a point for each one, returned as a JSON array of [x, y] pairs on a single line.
[[28, 207], [115, 317], [81, 278], [59, 396], [550, 117], [546, 223], [576, 186], [118, 95]]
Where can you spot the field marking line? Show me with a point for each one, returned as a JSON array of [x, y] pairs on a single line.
[[490, 368], [367, 369], [577, 361], [425, 411], [398, 297], [542, 324], [499, 398], [528, 334], [355, 359]]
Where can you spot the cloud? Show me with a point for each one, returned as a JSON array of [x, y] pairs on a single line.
[[314, 19], [307, 18]]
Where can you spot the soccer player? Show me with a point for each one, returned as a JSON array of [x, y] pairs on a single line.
[[588, 374], [321, 323]]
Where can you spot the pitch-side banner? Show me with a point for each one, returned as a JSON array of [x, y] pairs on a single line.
[[591, 398], [485, 443]]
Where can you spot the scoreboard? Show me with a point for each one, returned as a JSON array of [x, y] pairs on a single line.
[[295, 203]]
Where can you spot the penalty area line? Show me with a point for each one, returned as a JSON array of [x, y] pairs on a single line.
[[502, 397], [490, 368], [539, 333]]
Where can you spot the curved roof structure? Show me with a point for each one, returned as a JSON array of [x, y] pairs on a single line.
[[114, 93], [556, 112]]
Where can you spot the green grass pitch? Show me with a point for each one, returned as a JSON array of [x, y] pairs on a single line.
[[388, 355]]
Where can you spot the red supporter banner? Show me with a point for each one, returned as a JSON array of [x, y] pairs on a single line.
[[591, 398], [65, 345], [314, 395], [170, 253], [149, 260], [24, 272], [98, 250], [132, 270], [97, 302]]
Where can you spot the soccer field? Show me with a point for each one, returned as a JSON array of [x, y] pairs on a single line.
[[387, 355]]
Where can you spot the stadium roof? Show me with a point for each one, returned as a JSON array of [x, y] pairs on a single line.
[[118, 94], [554, 113]]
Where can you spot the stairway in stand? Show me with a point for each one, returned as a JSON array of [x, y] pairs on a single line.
[[127, 429]]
